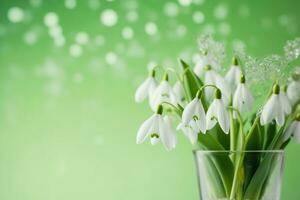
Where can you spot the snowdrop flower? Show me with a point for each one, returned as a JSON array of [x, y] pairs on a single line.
[[234, 73], [193, 119], [217, 112], [242, 99], [293, 129], [189, 132], [163, 93], [201, 63], [293, 90], [213, 78], [146, 88], [285, 102], [273, 109], [158, 129], [179, 91]]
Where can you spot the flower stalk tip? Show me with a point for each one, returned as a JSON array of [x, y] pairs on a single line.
[[207, 67], [218, 94], [235, 61], [242, 79], [284, 88], [199, 94], [159, 109], [276, 89], [152, 73], [166, 77], [297, 118]]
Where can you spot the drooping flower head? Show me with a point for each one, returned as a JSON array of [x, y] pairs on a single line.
[[293, 130], [284, 100], [146, 88], [242, 99], [217, 113], [179, 91], [163, 93], [273, 109], [213, 78], [293, 89], [193, 119], [158, 129], [234, 73]]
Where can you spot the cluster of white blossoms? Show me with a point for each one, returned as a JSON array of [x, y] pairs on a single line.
[[218, 101]]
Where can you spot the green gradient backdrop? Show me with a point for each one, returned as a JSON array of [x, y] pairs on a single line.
[[68, 124]]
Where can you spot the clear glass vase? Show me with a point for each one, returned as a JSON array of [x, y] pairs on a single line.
[[239, 175]]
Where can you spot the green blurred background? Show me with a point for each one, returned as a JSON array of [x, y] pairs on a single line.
[[68, 120]]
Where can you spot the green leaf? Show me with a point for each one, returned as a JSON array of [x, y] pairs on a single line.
[[191, 82], [256, 184], [212, 178], [220, 136], [270, 134], [221, 161], [255, 141]]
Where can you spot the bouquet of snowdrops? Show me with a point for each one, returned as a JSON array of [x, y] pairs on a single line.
[[216, 112]]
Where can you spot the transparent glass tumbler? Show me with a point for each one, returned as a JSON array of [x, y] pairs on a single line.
[[239, 175]]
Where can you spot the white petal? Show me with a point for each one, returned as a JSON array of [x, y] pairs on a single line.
[[230, 75], [293, 91], [280, 116], [189, 111], [178, 91], [289, 131], [297, 132], [233, 76], [144, 129], [222, 84], [163, 93], [223, 116], [167, 134], [211, 112], [237, 100], [248, 98], [199, 110], [242, 99], [191, 135], [285, 103], [152, 86], [199, 67], [154, 140], [143, 90], [209, 80], [268, 112]]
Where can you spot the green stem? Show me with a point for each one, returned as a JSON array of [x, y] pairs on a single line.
[[173, 106], [239, 160]]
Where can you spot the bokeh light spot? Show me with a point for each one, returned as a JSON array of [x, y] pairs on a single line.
[[185, 2], [75, 50], [16, 14], [171, 9], [51, 19], [109, 17], [151, 28], [198, 17], [127, 33]]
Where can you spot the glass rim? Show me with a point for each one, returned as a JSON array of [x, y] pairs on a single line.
[[195, 151]]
